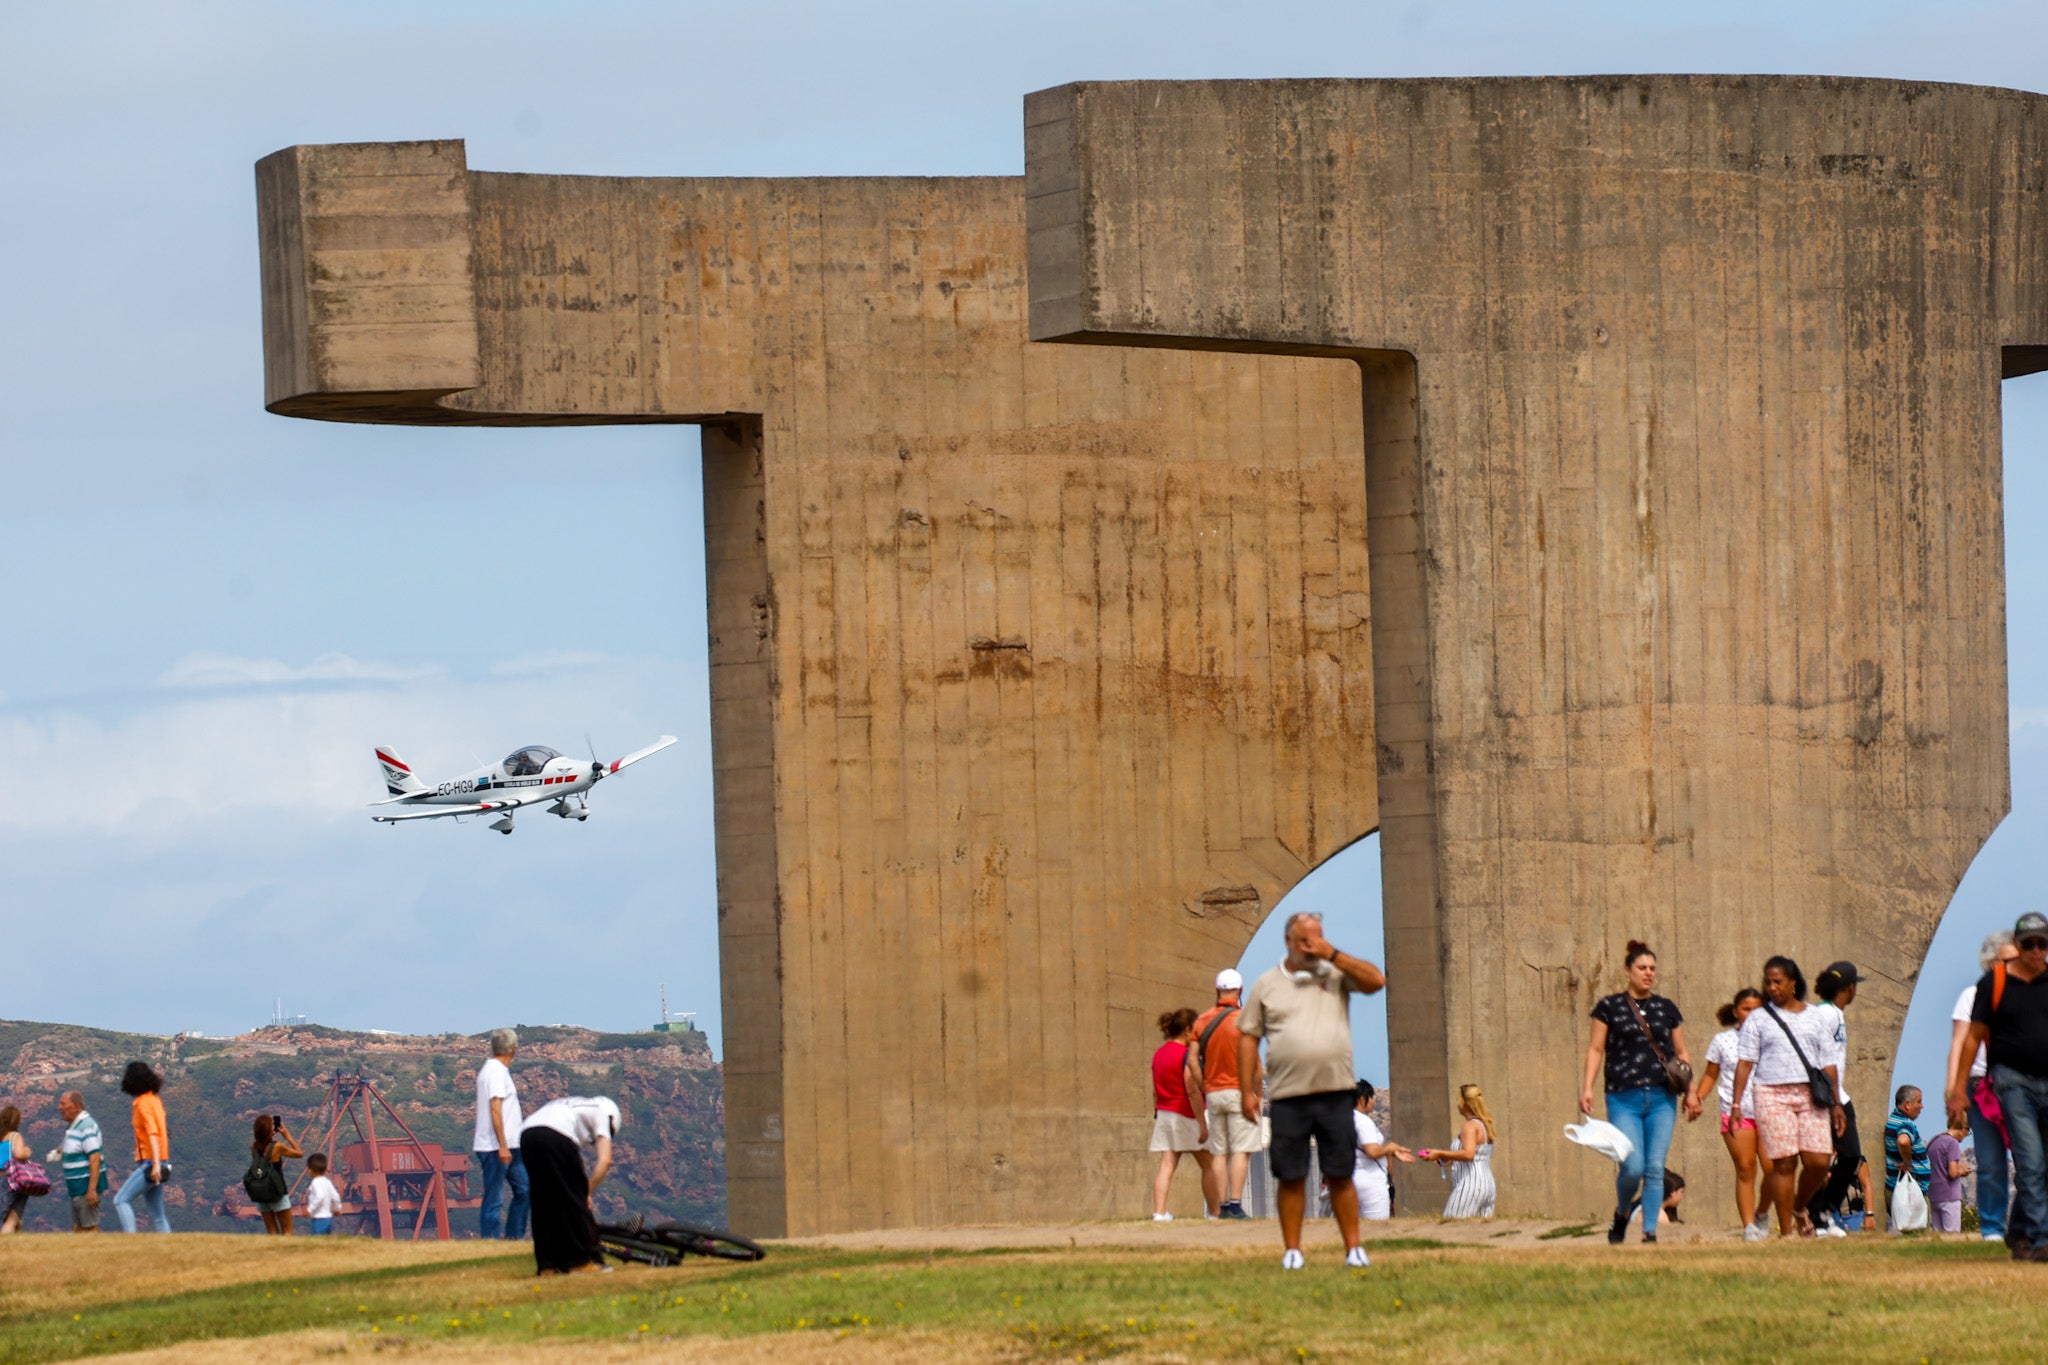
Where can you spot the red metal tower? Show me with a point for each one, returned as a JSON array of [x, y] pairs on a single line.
[[382, 1176]]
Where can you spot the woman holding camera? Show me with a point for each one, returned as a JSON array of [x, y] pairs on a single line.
[[274, 1145]]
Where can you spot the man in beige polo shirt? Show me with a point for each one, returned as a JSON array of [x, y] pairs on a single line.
[[1302, 1008]]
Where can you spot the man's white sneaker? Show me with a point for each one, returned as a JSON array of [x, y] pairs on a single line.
[[1162, 1218], [1830, 1229], [1356, 1258], [1755, 1232], [1291, 1261]]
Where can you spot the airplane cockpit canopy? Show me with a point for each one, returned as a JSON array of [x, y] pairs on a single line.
[[529, 761]]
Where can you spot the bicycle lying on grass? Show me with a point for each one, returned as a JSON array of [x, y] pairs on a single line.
[[669, 1243]]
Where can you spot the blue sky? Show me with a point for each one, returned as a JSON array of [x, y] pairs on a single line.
[[211, 614]]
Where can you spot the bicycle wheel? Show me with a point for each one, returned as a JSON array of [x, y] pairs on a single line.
[[714, 1242]]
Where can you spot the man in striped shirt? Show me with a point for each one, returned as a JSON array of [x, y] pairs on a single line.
[[81, 1157], [1903, 1150]]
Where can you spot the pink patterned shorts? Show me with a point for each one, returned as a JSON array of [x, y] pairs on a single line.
[[1787, 1123]]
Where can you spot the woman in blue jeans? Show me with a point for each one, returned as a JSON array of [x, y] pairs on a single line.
[[1634, 1032]]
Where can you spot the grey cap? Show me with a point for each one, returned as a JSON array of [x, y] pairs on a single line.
[[2033, 924]]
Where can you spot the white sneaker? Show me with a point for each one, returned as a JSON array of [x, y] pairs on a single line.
[[1291, 1261], [1356, 1258], [1162, 1218], [1830, 1229], [1994, 1237], [1755, 1232]]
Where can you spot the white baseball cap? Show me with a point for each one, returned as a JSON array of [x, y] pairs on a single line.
[[1229, 980]]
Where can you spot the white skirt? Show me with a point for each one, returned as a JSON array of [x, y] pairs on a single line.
[[1373, 1199]]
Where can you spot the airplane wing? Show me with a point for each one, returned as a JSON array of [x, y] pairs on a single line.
[[475, 808], [435, 812], [630, 759]]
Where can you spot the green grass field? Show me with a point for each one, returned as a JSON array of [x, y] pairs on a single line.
[[232, 1298]]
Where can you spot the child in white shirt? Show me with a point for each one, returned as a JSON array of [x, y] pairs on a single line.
[[322, 1199]]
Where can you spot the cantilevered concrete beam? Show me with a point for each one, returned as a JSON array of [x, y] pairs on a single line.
[[1038, 675]]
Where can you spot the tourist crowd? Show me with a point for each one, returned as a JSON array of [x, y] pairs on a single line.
[[1774, 1071]]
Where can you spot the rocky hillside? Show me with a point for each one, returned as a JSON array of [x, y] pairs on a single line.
[[669, 1161]]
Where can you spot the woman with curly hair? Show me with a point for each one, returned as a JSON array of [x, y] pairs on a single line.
[[1179, 1124], [152, 1150]]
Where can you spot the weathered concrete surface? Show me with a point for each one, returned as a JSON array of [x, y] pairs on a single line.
[[1683, 439], [1039, 674]]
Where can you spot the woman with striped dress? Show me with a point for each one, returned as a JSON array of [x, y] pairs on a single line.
[[1471, 1161]]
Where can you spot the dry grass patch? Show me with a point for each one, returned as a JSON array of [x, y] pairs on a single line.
[[57, 1271], [782, 1348]]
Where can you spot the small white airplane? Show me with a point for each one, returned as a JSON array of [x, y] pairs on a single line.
[[527, 777]]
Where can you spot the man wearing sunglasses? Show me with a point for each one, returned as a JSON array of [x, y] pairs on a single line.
[[2010, 1017]]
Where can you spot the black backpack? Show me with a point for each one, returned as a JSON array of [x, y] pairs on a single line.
[[264, 1182]]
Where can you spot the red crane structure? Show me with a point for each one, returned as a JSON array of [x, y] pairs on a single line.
[[382, 1177]]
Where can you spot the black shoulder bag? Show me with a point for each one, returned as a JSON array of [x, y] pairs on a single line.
[[1817, 1082], [1677, 1074]]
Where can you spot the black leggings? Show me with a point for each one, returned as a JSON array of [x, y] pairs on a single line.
[[1841, 1175], [564, 1233]]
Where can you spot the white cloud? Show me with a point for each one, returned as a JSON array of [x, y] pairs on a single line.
[[551, 661], [204, 668]]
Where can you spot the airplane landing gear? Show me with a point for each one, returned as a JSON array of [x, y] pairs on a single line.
[[503, 826]]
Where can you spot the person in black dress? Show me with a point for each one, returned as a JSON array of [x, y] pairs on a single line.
[[552, 1141]]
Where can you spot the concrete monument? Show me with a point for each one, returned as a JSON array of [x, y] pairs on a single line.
[[1682, 413]]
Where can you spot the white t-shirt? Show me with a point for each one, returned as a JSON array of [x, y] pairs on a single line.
[[578, 1119], [322, 1199], [1371, 1172], [1966, 1002], [1721, 1052], [1834, 1012], [1764, 1043], [494, 1081]]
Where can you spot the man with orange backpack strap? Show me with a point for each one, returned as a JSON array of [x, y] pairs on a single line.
[[2010, 1018], [1232, 1137]]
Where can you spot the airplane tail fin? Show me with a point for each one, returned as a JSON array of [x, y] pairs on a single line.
[[398, 778]]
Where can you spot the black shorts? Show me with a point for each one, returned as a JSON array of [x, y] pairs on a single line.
[[1325, 1117]]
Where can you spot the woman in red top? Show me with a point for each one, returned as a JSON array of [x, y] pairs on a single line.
[[1178, 1124]]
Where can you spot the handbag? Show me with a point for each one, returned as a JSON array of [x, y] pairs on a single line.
[[1817, 1083], [1677, 1074], [27, 1177], [1986, 1097]]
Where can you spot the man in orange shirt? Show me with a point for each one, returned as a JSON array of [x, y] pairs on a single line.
[[1232, 1136]]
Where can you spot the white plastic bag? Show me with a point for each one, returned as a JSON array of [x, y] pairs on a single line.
[[1909, 1206], [1604, 1138]]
